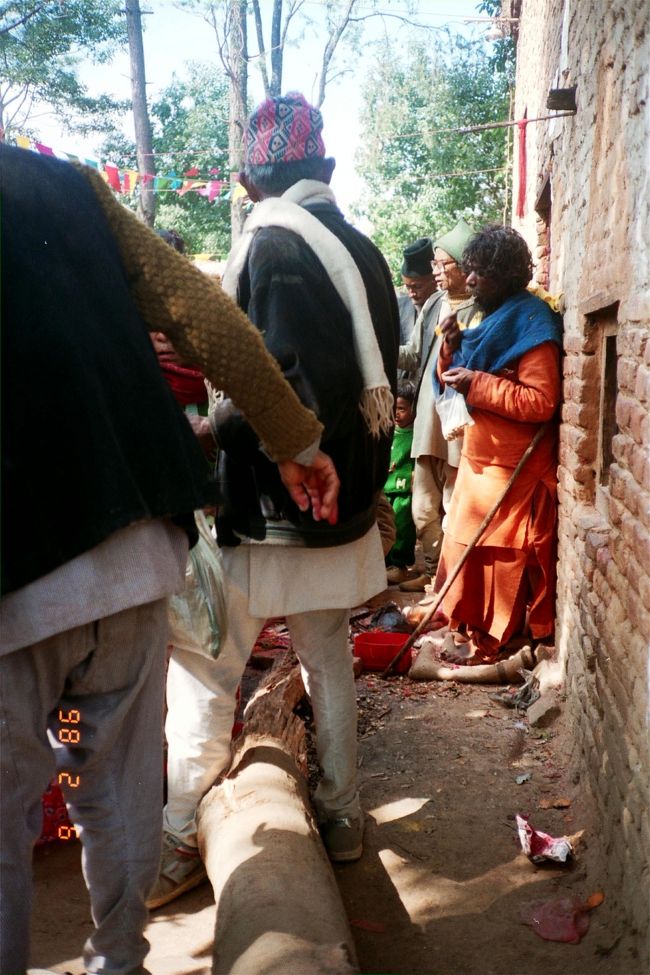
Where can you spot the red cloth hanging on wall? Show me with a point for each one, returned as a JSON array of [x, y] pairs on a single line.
[[521, 194]]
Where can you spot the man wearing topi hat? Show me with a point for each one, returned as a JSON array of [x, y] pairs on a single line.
[[321, 295], [419, 283], [436, 459]]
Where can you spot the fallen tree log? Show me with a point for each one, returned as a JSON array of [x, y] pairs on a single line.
[[278, 905]]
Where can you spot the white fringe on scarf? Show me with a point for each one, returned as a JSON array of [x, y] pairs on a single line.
[[288, 211]]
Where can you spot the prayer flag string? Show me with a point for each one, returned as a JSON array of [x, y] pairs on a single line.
[[125, 181]]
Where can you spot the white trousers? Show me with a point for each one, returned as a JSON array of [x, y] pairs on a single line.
[[87, 704], [201, 698]]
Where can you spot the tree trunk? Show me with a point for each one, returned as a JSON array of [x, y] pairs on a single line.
[[278, 906], [277, 53], [259, 28], [144, 148], [238, 63]]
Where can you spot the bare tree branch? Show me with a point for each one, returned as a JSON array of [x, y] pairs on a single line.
[[294, 8], [330, 48], [405, 20]]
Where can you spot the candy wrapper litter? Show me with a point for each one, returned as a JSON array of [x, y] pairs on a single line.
[[563, 919], [540, 846]]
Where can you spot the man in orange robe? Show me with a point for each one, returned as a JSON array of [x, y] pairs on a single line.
[[508, 370]]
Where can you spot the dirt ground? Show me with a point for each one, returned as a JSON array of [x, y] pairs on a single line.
[[442, 883]]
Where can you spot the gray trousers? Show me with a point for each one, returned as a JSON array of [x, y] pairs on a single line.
[[98, 687], [433, 484]]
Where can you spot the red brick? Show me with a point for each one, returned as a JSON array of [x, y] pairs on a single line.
[[624, 407], [626, 374], [638, 416], [615, 509], [585, 367], [642, 384], [573, 346], [632, 496], [578, 391], [644, 589], [641, 545], [594, 541], [577, 415], [640, 466], [645, 428], [622, 449], [582, 444]]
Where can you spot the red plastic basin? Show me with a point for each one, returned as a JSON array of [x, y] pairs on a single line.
[[377, 648]]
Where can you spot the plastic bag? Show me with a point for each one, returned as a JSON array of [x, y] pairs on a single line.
[[197, 616], [453, 413]]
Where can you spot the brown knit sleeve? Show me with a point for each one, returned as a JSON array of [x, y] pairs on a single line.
[[208, 330]]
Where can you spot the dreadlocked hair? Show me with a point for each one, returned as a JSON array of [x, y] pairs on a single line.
[[501, 253]]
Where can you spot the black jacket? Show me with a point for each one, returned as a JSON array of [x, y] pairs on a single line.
[[287, 294], [92, 438]]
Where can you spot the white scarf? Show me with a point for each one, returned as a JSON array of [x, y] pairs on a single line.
[[288, 211]]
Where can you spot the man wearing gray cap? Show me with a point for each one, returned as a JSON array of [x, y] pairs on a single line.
[[435, 458]]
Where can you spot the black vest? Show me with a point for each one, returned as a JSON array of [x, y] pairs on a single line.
[[92, 438]]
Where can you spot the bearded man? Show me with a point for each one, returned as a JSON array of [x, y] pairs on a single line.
[[508, 369]]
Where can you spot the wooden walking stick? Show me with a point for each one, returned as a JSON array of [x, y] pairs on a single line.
[[461, 562]]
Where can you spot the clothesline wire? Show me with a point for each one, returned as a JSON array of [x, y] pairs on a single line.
[[460, 172], [458, 130]]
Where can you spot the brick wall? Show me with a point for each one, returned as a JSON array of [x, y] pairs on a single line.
[[596, 166]]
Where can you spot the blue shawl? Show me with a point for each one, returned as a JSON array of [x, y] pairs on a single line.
[[520, 324]]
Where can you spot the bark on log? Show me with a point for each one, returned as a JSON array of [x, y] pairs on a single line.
[[278, 905]]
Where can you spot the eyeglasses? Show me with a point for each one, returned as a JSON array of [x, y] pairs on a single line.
[[468, 269], [441, 265]]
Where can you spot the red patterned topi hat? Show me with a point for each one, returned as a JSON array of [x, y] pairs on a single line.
[[284, 129]]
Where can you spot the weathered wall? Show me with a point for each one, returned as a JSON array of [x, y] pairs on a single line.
[[597, 163]]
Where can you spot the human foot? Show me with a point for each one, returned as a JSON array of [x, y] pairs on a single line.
[[457, 649]]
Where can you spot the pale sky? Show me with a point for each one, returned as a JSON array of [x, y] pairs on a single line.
[[173, 37]]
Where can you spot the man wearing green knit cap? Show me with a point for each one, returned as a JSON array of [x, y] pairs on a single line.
[[436, 459], [452, 244]]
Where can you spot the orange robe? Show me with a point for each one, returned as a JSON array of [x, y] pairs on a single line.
[[509, 578]]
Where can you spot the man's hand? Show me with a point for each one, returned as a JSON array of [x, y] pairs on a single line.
[[316, 485], [450, 332], [458, 378]]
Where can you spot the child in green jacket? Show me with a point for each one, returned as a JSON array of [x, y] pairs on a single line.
[[399, 483]]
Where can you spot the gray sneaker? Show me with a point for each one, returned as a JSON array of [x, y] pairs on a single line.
[[181, 869], [343, 838]]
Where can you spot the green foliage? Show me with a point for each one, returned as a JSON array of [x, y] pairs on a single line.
[[504, 54], [190, 117], [407, 101], [41, 42]]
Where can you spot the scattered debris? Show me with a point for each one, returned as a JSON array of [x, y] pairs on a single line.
[[563, 919], [540, 846], [524, 777], [554, 803], [391, 619], [544, 711], [521, 698]]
